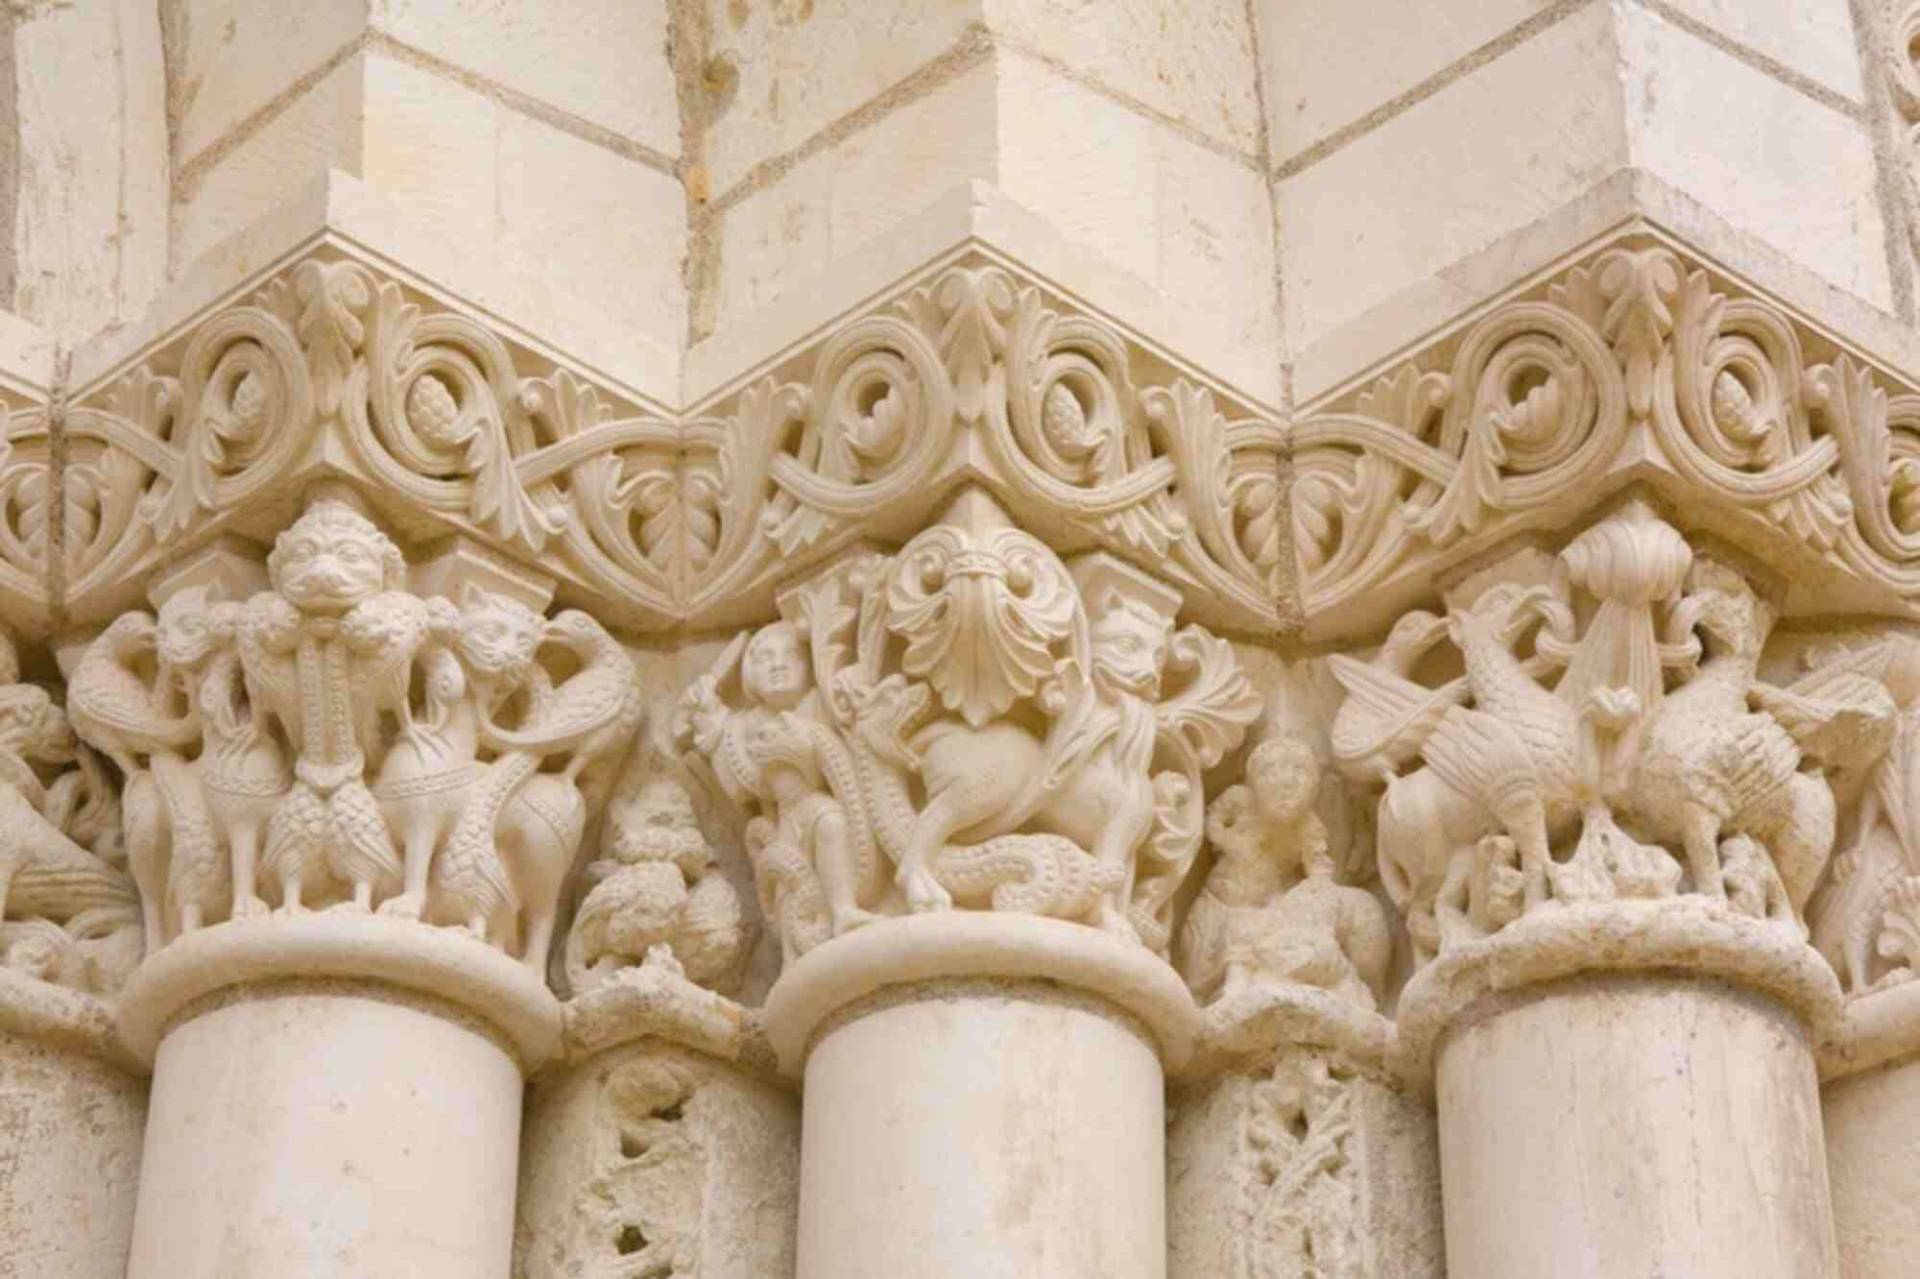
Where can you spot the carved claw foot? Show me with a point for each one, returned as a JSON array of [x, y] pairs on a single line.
[[405, 906], [848, 920], [924, 892], [1111, 919], [250, 907]]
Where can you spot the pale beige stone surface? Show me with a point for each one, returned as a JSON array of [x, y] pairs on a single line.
[[1643, 1126], [601, 62], [1534, 128], [297, 1134], [320, 128], [73, 1126], [875, 573], [86, 167], [1693, 107], [1193, 64], [964, 1133], [1870, 1131], [229, 60], [1329, 63], [794, 67], [1808, 37], [595, 225]]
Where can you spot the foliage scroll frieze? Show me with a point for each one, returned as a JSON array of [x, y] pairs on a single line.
[[332, 367], [1633, 362]]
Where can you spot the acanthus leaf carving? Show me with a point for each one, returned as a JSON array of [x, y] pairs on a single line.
[[1635, 361], [970, 372]]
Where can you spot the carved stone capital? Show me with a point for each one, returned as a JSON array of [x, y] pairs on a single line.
[[336, 741]]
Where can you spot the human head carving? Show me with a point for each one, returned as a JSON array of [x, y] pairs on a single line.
[[1284, 775], [774, 669], [334, 557]]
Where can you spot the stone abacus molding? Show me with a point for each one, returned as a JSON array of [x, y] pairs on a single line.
[[1638, 365], [664, 520]]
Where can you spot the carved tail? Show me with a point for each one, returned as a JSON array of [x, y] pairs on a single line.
[[579, 715], [1030, 874], [845, 774], [470, 864]]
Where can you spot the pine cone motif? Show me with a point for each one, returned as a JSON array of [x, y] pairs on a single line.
[[433, 413]]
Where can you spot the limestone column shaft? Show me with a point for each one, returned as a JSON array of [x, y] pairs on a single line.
[[982, 1096], [1629, 1089], [73, 1102], [335, 1094]]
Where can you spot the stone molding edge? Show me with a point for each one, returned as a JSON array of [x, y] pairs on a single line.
[[1640, 362], [57, 1017], [957, 944], [1880, 1028], [1687, 938], [969, 370], [650, 1002], [1242, 1034], [473, 977]]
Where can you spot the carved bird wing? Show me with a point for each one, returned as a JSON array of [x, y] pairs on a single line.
[[1840, 713], [57, 878], [1754, 759], [1478, 754], [1385, 719], [113, 708]]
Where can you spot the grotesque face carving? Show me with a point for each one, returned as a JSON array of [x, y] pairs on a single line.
[[1284, 775], [189, 628], [498, 635], [774, 671], [1130, 646], [332, 559], [659, 825]]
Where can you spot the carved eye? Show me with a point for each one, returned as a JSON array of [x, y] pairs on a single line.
[[1127, 644]]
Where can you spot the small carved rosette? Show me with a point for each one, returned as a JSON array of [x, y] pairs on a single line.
[[971, 722], [339, 741], [1608, 736]]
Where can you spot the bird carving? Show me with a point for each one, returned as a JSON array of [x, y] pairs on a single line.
[[1387, 716]]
